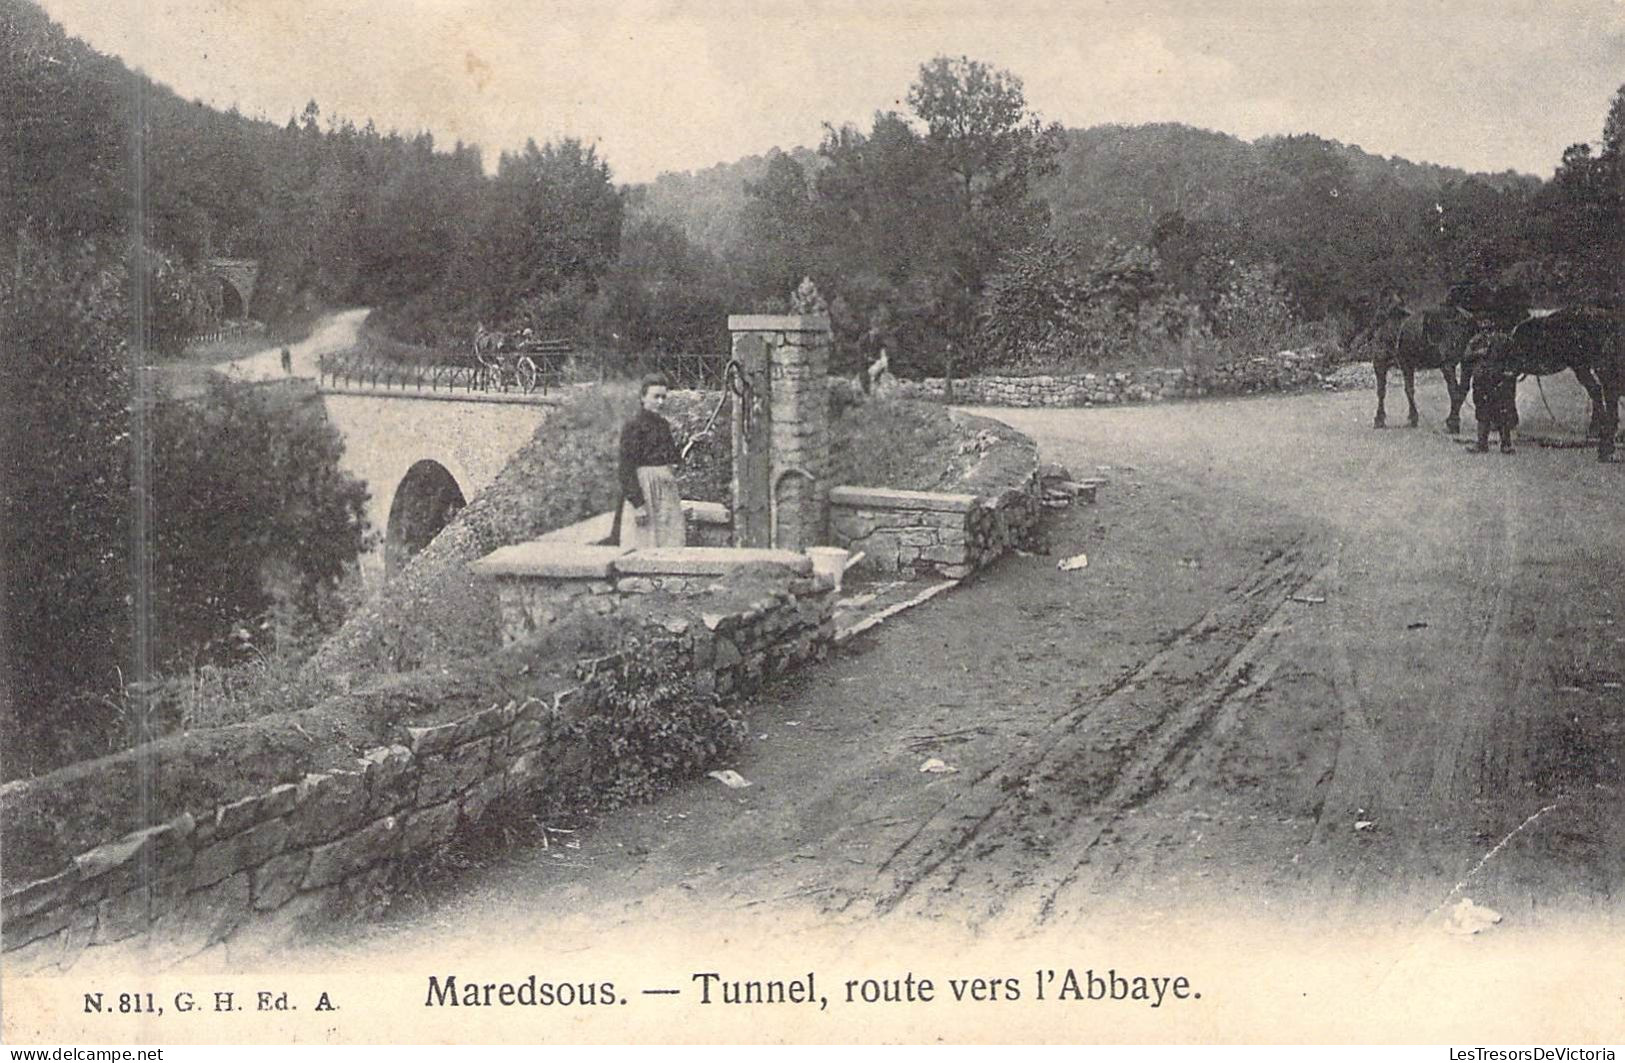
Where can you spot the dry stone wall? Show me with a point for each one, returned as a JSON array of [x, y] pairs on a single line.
[[1283, 371], [316, 847]]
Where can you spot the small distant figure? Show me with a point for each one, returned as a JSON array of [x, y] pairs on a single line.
[[287, 362], [1495, 395], [878, 367]]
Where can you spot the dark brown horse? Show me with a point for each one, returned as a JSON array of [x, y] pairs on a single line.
[[1588, 340], [1433, 338]]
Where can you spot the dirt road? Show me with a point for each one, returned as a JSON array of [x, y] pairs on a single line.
[[1317, 686], [334, 332]]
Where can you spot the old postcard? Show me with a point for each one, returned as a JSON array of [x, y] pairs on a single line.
[[803, 522]]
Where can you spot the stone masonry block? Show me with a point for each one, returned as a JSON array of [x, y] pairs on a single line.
[[697, 561], [160, 842], [391, 773], [480, 796], [526, 735], [239, 852], [15, 933], [548, 560], [454, 771], [425, 740], [726, 655], [250, 811], [80, 932], [331, 862], [329, 805], [124, 916], [428, 827], [525, 770], [920, 537], [203, 918], [485, 722], [876, 498], [38, 896], [275, 883]]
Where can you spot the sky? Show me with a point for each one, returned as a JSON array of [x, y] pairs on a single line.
[[671, 85]]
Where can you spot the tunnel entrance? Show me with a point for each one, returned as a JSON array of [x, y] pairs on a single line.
[[231, 303], [426, 500]]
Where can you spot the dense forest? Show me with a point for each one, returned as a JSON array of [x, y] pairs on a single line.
[[963, 232], [1155, 226], [1159, 219]]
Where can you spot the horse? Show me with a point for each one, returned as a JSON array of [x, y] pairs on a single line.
[[1588, 340], [488, 342], [1433, 338], [489, 346]]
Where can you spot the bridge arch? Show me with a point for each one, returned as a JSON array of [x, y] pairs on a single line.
[[387, 436], [425, 501]]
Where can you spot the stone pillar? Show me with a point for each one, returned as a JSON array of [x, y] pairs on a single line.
[[781, 497]]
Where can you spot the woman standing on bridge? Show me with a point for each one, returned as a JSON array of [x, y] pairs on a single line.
[[652, 509]]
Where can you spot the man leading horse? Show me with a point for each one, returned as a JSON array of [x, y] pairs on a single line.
[[1436, 338]]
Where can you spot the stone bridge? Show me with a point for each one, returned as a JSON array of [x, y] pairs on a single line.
[[424, 456]]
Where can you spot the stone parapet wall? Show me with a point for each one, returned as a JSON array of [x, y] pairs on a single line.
[[543, 582], [952, 535], [1284, 371], [904, 531], [327, 843], [707, 523]]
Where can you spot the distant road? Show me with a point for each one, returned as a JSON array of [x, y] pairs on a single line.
[[332, 333]]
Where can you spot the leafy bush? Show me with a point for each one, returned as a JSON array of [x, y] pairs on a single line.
[[250, 531], [252, 512], [1049, 308], [648, 728], [1253, 315]]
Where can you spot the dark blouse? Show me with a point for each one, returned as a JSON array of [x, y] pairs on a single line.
[[1495, 396], [645, 440]]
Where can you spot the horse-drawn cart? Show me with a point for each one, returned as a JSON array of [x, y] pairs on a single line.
[[523, 361]]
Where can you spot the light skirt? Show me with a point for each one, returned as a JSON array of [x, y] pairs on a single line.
[[666, 525]]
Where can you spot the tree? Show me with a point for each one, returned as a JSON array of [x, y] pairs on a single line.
[[905, 222], [982, 133], [555, 218], [884, 224], [777, 226], [66, 119], [66, 454], [1613, 158], [251, 507], [977, 118], [664, 293], [1581, 223]]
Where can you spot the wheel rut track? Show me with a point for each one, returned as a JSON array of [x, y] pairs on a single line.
[[1439, 769], [1057, 796]]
